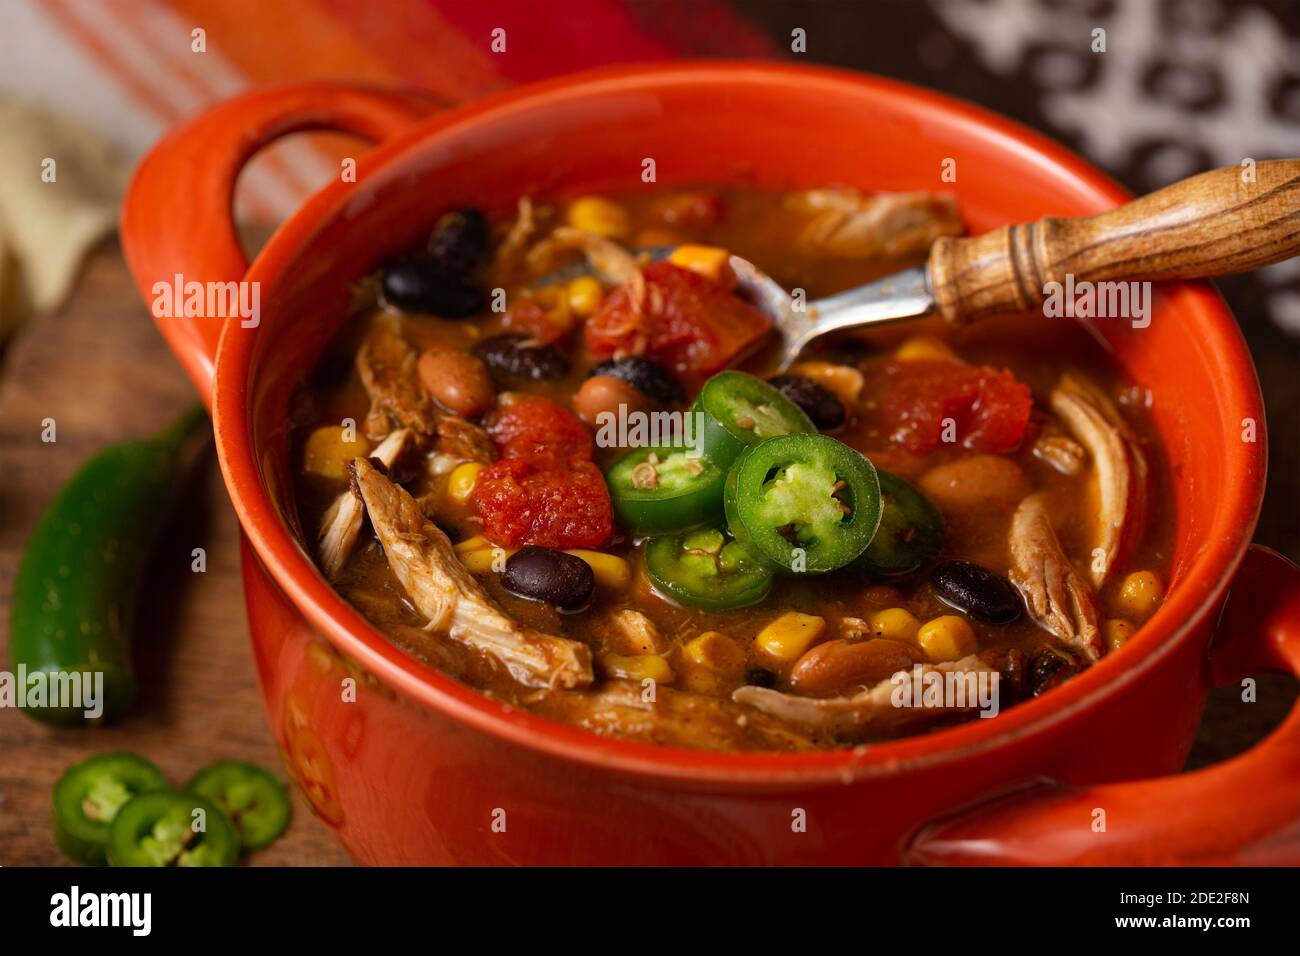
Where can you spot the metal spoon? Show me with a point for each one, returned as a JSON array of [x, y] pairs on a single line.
[[904, 295]]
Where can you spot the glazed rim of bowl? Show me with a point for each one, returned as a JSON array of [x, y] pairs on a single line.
[[1203, 584]]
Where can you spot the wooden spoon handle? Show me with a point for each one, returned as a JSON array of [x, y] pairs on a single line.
[[1217, 223]]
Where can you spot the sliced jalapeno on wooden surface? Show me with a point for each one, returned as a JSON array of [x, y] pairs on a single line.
[[660, 490], [805, 504], [911, 529], [703, 569], [172, 828], [739, 410], [255, 801], [89, 795]]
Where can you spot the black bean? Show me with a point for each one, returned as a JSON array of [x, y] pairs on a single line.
[[1049, 668], [510, 355], [419, 284], [545, 574], [976, 591], [460, 241], [646, 375], [818, 402], [760, 677]]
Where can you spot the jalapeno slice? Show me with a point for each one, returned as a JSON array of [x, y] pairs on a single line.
[[911, 529], [661, 490], [805, 504], [738, 410], [172, 828], [89, 795], [705, 570], [255, 801]]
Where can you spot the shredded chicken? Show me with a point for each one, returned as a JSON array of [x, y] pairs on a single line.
[[341, 525], [885, 706], [1059, 599], [387, 365], [610, 261], [459, 440], [451, 599], [1120, 466], [1061, 452], [855, 628], [633, 633], [621, 708], [511, 248], [852, 225]]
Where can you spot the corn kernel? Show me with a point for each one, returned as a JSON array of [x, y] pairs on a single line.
[[946, 638], [1118, 631], [709, 261], [926, 347], [715, 652], [789, 635], [585, 295], [845, 381], [486, 559], [328, 451], [476, 543], [1140, 595], [699, 680], [461, 481], [611, 571], [653, 667], [601, 216], [894, 624]]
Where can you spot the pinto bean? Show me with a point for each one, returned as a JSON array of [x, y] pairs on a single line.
[[605, 393], [458, 381], [838, 667], [975, 481]]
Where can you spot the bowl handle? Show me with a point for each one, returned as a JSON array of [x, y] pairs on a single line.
[[176, 217], [1244, 811]]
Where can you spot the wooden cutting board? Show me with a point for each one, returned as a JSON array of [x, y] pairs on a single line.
[[102, 372]]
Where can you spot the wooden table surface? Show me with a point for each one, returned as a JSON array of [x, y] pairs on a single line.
[[102, 372]]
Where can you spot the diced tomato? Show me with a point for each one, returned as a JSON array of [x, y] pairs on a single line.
[[989, 409], [544, 490], [544, 502], [529, 426], [686, 322]]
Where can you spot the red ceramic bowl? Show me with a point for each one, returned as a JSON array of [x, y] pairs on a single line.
[[420, 769]]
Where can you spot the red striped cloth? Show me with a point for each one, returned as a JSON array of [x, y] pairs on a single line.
[[131, 67]]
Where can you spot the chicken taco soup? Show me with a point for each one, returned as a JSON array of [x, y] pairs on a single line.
[[546, 456]]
